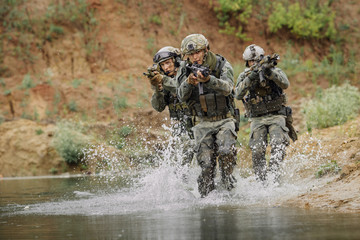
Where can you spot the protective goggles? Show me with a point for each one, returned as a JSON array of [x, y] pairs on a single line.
[[163, 56]]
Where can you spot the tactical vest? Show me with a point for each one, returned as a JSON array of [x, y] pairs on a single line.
[[209, 103], [264, 100], [177, 109]]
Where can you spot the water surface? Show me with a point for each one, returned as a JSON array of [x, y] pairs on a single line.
[[158, 205]]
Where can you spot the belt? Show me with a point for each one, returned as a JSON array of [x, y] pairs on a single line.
[[211, 119]]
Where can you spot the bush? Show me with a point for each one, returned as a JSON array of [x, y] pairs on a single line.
[[27, 82], [239, 9], [69, 142], [324, 169], [333, 106], [311, 20]]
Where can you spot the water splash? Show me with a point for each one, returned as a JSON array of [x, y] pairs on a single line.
[[168, 185]]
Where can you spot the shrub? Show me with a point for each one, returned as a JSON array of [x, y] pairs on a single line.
[[312, 20], [39, 131], [73, 106], [77, 82], [331, 167], [117, 138], [333, 106], [240, 10], [155, 19], [335, 68], [119, 103], [69, 142], [27, 82]]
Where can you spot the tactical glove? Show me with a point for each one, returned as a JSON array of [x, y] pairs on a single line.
[[253, 75], [267, 69], [156, 80], [203, 79], [191, 80]]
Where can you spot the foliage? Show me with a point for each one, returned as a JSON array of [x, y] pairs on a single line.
[[119, 103], [26, 29], [27, 82], [69, 142], [333, 106], [117, 138], [331, 167], [73, 106], [39, 131], [238, 9], [77, 82], [155, 19], [335, 68], [308, 19], [311, 20]]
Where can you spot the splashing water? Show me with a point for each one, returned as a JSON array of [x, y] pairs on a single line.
[[168, 185]]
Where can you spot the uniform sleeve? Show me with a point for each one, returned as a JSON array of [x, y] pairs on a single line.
[[225, 83], [184, 89], [158, 101], [242, 86], [169, 84], [279, 77]]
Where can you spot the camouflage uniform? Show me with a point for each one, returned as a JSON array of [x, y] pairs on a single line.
[[214, 129], [265, 105], [178, 111]]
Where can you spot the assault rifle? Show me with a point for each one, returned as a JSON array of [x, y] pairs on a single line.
[[267, 61], [205, 71], [195, 67], [151, 71]]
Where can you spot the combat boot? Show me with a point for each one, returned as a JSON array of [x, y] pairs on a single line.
[[206, 182], [226, 165]]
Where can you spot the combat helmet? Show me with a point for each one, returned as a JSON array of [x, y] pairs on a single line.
[[193, 43], [166, 53], [253, 53]]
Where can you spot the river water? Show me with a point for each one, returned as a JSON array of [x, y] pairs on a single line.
[[161, 201], [158, 204]]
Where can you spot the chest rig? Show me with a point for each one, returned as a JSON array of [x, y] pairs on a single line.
[[205, 102], [261, 101]]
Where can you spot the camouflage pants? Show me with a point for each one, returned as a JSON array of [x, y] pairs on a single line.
[[262, 128], [215, 140], [180, 131]]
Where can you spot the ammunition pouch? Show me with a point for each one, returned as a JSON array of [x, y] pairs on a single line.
[[260, 106], [210, 105], [178, 110]]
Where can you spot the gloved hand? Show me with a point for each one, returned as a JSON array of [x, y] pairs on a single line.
[[192, 80], [267, 68], [254, 75], [156, 80], [201, 78]]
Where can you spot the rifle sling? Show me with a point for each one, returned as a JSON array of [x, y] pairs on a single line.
[[203, 103]]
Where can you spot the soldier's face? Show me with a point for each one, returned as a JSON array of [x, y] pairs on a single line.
[[197, 56], [168, 67], [251, 62]]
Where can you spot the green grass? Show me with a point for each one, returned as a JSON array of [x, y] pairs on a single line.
[[332, 106], [331, 167], [69, 142]]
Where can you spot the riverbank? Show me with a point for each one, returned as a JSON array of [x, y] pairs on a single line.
[[26, 150]]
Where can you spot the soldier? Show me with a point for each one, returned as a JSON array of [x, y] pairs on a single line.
[[260, 87], [162, 79], [209, 96]]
